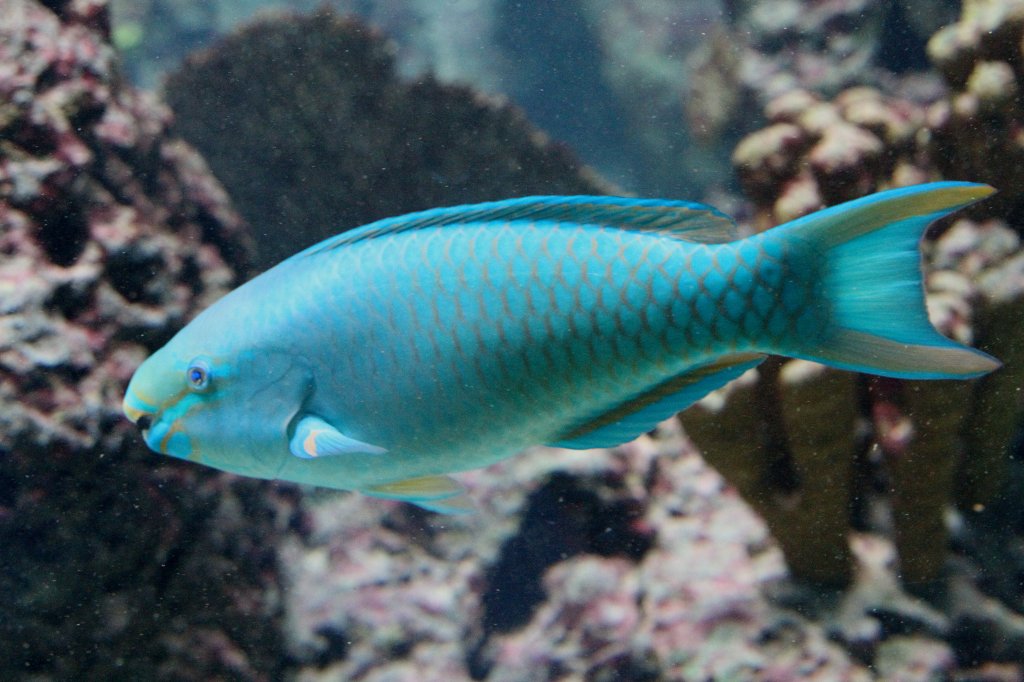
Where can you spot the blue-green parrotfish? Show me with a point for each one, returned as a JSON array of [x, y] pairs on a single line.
[[387, 357]]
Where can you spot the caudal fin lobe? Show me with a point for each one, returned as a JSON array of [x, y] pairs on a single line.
[[873, 282]]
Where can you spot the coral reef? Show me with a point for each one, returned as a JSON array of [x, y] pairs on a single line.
[[634, 564], [786, 466], [828, 46], [607, 77], [612, 79], [820, 47], [938, 444], [975, 132], [604, 77], [348, 142], [764, 50], [637, 563], [640, 563], [812, 468], [116, 565], [814, 152]]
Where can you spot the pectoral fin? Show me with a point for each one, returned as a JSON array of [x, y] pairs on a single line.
[[441, 494], [316, 438]]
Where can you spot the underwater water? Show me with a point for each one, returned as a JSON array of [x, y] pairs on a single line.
[[491, 340]]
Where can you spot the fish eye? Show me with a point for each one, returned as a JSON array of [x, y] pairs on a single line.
[[198, 375]]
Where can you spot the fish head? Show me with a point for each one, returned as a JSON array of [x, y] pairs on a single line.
[[205, 399]]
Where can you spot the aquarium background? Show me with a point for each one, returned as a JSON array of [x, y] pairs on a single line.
[[803, 524]]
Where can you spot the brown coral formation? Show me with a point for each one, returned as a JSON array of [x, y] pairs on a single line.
[[808, 446], [814, 153], [939, 443], [767, 48], [975, 133], [348, 142], [112, 233], [786, 466]]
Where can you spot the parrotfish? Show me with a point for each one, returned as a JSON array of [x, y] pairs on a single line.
[[388, 357]]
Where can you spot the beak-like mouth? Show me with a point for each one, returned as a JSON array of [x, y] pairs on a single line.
[[134, 414], [160, 435], [140, 414]]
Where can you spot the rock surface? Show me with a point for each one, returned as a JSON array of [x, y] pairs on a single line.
[[638, 563], [112, 233]]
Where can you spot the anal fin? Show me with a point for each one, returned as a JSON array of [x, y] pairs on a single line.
[[442, 494], [641, 413]]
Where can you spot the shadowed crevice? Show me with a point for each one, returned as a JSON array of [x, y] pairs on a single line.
[[564, 518]]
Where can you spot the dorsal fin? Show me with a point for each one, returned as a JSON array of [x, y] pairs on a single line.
[[683, 220], [643, 412]]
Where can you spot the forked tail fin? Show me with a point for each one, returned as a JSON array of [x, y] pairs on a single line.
[[873, 282]]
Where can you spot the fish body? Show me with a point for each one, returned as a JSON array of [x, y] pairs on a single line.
[[385, 358]]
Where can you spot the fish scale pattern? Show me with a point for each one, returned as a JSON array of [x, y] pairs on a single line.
[[504, 315], [757, 294], [453, 338]]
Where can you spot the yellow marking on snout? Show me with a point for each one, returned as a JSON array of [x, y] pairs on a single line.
[[141, 397], [137, 396], [133, 414]]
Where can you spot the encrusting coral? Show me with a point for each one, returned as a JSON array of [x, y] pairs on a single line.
[[639, 563], [814, 152]]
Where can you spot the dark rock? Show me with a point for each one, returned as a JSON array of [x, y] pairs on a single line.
[[116, 564], [311, 131]]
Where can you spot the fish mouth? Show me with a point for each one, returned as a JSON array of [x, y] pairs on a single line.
[[160, 435], [137, 416], [138, 412]]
